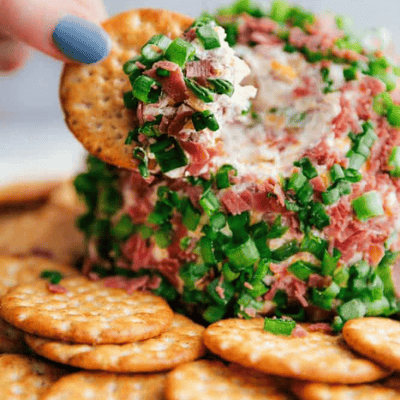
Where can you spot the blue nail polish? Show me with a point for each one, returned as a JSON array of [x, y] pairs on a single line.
[[81, 40]]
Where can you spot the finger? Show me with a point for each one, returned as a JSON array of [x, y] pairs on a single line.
[[65, 29], [13, 54]]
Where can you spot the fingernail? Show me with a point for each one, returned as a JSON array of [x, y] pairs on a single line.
[[81, 40]]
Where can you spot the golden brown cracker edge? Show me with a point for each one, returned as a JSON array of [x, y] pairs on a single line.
[[92, 95]]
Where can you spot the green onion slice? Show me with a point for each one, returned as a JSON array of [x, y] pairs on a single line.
[[201, 92], [205, 119], [368, 205], [222, 176], [221, 86], [53, 277], [179, 52], [208, 37], [244, 255], [146, 89], [278, 326], [141, 155], [394, 162]]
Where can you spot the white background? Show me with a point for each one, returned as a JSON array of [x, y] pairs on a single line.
[[34, 142]]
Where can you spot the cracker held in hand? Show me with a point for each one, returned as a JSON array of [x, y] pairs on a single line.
[[92, 95], [181, 343], [88, 312], [375, 338], [16, 271], [323, 391], [214, 380], [317, 356], [104, 386], [23, 377]]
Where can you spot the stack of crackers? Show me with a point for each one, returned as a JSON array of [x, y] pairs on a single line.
[[82, 339]]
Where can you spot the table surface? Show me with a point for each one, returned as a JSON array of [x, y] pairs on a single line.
[[35, 143]]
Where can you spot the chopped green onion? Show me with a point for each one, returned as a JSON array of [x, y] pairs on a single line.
[[199, 91], [213, 314], [228, 274], [166, 290], [356, 161], [222, 176], [124, 228], [191, 273], [207, 251], [218, 221], [352, 309], [130, 66], [314, 245], [130, 101], [336, 172], [384, 270], [280, 10], [168, 153], [205, 119], [302, 269], [209, 202], [208, 37], [151, 54], [244, 255], [162, 72], [350, 74], [110, 201], [285, 251], [330, 262], [141, 155], [146, 89], [179, 52], [393, 116], [368, 205], [394, 162], [228, 290], [382, 103], [305, 193], [53, 277], [307, 168], [160, 41], [296, 182], [221, 86], [352, 175], [163, 239], [318, 216], [278, 326], [190, 216], [331, 196]]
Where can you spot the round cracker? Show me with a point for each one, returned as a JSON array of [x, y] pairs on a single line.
[[50, 229], [104, 386], [23, 377], [11, 339], [181, 343], [92, 95], [16, 271], [26, 192], [214, 380], [323, 391], [88, 312], [318, 356], [375, 338]]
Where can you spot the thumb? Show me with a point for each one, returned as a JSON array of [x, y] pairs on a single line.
[[68, 30]]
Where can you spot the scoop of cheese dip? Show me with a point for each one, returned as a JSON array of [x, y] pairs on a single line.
[[293, 209]]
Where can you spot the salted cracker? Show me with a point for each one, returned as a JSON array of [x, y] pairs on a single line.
[[49, 229], [26, 192], [87, 312], [11, 339], [375, 338], [317, 356], [16, 271], [324, 391], [181, 343], [214, 380], [25, 378], [92, 95], [105, 386]]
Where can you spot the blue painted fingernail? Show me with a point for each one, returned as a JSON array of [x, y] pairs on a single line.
[[81, 40]]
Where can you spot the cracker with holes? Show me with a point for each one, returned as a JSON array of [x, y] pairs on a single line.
[[49, 229], [92, 95], [23, 377], [181, 343], [323, 391], [375, 338], [26, 192], [11, 339], [105, 386], [213, 380], [81, 311], [316, 356], [16, 271]]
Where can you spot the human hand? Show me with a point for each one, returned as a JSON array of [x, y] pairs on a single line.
[[67, 30]]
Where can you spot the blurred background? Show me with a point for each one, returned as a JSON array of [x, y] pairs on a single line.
[[35, 143]]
